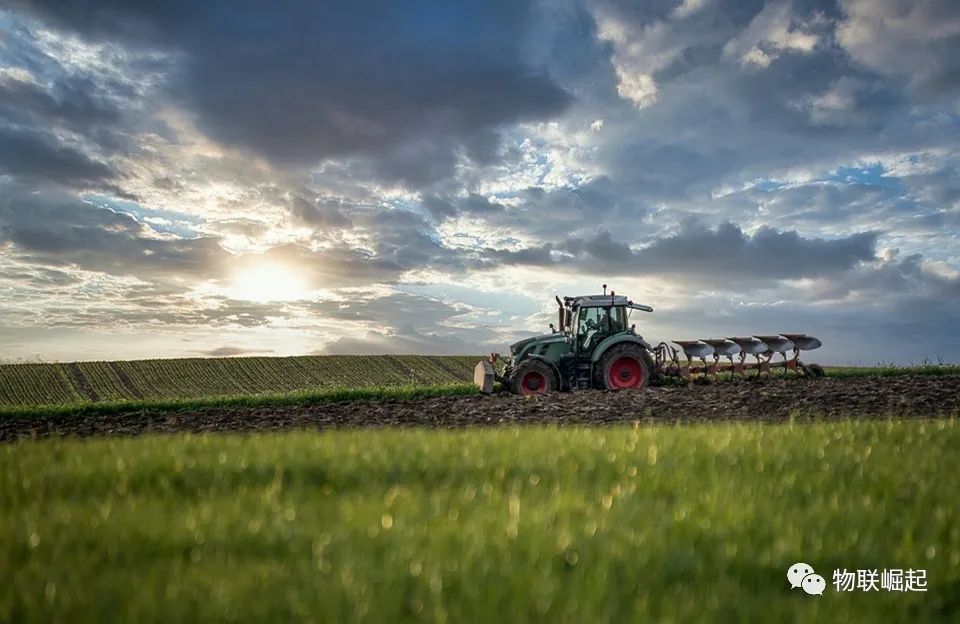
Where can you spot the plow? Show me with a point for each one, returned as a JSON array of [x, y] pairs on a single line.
[[595, 346]]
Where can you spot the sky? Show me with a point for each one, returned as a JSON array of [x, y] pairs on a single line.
[[185, 179]]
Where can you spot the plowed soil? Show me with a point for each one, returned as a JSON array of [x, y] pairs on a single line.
[[768, 400]]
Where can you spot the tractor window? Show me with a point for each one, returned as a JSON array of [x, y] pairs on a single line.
[[590, 323], [618, 319]]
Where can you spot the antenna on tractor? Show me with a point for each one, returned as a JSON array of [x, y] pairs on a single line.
[[604, 289]]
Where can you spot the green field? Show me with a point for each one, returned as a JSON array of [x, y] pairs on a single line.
[[185, 379], [105, 387], [531, 524]]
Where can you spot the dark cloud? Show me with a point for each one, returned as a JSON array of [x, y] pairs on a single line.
[[302, 82], [76, 104], [472, 204], [698, 253], [41, 156], [57, 229], [318, 212], [903, 281], [549, 214], [728, 251]]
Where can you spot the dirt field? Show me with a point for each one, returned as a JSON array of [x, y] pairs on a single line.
[[772, 400]]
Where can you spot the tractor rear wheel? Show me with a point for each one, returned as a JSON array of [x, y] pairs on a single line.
[[533, 377], [624, 367]]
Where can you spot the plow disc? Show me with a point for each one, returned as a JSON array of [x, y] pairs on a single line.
[[736, 350]]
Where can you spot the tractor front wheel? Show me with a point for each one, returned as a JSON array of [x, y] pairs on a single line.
[[533, 377], [624, 367]]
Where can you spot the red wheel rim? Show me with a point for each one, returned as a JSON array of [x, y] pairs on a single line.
[[533, 383], [626, 372]]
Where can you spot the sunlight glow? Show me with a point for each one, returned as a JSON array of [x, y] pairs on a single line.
[[269, 282]]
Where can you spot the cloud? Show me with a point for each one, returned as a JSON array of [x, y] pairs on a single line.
[[298, 84], [56, 229], [687, 8], [472, 204], [919, 41], [39, 155], [836, 106], [405, 341], [773, 31], [76, 104], [638, 53], [728, 252], [396, 322], [698, 254], [318, 212], [231, 351], [383, 245]]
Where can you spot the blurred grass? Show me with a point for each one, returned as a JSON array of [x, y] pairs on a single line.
[[512, 525]]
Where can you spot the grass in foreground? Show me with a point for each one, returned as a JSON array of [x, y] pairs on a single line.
[[512, 525]]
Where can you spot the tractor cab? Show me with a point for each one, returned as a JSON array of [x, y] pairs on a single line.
[[593, 345], [597, 317]]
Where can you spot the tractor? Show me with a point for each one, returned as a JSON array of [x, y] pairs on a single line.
[[594, 345]]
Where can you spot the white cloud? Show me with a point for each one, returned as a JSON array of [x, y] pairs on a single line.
[[772, 31], [687, 8], [918, 40], [835, 106], [637, 55], [16, 74]]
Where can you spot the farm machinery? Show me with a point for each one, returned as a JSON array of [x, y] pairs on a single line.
[[594, 345]]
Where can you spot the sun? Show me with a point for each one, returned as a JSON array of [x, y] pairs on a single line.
[[269, 282]]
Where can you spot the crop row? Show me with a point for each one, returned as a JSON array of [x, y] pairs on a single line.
[[32, 384]]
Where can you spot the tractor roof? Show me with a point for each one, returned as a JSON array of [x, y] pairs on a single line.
[[597, 301]]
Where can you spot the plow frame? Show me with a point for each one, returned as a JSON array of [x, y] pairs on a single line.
[[667, 363]]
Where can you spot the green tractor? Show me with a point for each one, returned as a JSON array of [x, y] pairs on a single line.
[[594, 346]]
